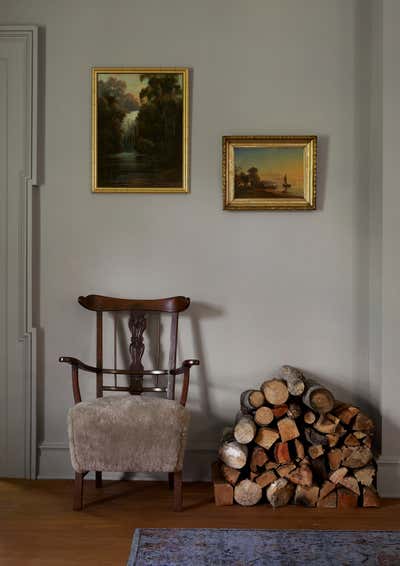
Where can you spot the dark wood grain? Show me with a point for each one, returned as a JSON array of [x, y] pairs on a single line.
[[110, 304], [39, 528]]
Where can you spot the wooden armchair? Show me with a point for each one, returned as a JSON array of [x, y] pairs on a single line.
[[130, 433]]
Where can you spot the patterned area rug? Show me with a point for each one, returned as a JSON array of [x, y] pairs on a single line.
[[234, 547]]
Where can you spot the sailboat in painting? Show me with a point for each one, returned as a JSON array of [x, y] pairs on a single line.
[[285, 184]]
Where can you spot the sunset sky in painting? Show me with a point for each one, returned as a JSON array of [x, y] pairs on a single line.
[[272, 163]]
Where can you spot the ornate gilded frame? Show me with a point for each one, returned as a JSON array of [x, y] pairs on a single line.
[[185, 129], [308, 202]]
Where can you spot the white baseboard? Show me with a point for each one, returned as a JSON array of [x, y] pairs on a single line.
[[54, 463]]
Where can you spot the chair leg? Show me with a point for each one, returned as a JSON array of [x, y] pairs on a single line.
[[178, 491], [99, 480], [78, 491], [171, 480]]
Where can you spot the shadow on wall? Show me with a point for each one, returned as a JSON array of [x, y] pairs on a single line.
[[206, 426]]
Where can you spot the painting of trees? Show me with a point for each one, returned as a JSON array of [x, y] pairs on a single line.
[[140, 129]]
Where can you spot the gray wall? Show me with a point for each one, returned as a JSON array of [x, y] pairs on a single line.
[[267, 288]]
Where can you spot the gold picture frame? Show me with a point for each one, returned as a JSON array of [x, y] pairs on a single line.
[[140, 130], [269, 172]]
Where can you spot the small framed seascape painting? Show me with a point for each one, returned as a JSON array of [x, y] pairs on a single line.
[[140, 130], [269, 172]]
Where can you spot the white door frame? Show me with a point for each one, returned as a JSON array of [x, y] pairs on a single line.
[[26, 335]]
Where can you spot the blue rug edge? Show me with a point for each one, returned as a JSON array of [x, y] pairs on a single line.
[[134, 548], [138, 532]]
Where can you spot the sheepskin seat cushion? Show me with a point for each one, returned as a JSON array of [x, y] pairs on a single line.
[[128, 434]]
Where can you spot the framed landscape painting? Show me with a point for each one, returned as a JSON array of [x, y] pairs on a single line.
[[269, 172], [140, 130]]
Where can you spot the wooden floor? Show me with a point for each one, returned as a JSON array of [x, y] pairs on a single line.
[[37, 526]]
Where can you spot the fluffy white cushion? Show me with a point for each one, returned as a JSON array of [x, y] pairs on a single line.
[[128, 434]]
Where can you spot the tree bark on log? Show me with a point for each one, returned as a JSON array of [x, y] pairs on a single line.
[[231, 452], [294, 379], [318, 398], [251, 399]]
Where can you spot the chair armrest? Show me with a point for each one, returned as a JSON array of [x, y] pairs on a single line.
[[185, 369], [186, 364], [74, 362]]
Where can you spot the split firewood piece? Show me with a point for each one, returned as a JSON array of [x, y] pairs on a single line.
[[281, 453], [285, 469], [301, 475], [314, 437], [263, 416], [271, 465], [309, 417], [258, 458], [251, 399], [275, 391], [356, 457], [345, 412], [318, 398], [351, 440], [335, 458], [320, 470], [359, 435], [367, 441], [341, 430], [365, 475], [363, 424], [346, 499], [338, 475], [294, 379], [266, 437], [230, 474], [266, 478], [287, 429], [280, 492], [326, 489], [247, 493], [279, 411], [328, 502], [294, 410], [253, 476], [307, 496], [370, 497], [245, 429], [315, 451], [300, 453], [332, 439], [326, 424], [231, 452], [223, 491], [350, 483]]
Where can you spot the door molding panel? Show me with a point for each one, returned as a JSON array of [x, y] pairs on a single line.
[[18, 147]]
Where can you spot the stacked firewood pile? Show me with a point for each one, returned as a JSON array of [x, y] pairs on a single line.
[[293, 443]]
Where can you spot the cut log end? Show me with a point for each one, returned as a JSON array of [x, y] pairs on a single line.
[[247, 493]]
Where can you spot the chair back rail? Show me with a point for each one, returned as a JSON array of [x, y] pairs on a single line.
[[138, 311]]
